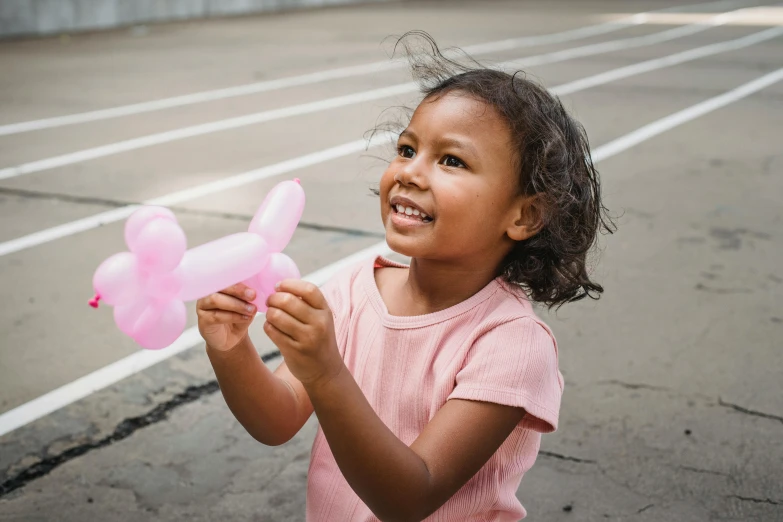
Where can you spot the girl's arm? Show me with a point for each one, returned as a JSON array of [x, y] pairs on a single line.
[[271, 406], [396, 482]]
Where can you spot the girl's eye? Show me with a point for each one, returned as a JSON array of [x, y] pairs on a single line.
[[453, 161], [406, 151]]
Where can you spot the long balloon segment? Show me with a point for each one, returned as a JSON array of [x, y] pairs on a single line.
[[149, 284]]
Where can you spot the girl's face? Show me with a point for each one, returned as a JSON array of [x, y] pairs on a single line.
[[452, 192]]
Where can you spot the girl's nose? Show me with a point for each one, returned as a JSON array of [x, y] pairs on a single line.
[[412, 174]]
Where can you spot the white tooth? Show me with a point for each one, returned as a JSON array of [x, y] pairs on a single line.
[[416, 212], [408, 211], [400, 209]]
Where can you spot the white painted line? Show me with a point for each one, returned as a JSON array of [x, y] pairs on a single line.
[[666, 61], [142, 359], [333, 103], [66, 229], [332, 74], [111, 216], [138, 361], [617, 45], [674, 120]]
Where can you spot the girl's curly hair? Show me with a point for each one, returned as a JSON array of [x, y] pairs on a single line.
[[553, 161]]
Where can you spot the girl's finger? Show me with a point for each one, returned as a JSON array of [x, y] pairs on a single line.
[[283, 322], [223, 317], [228, 303], [310, 293], [240, 291], [292, 305], [276, 336]]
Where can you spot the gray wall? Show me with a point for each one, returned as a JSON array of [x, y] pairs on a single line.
[[31, 17]]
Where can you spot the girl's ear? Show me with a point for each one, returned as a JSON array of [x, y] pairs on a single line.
[[529, 218]]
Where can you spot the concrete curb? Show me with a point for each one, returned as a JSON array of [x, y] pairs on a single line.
[[42, 17]]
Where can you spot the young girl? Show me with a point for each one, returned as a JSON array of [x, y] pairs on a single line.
[[433, 382]]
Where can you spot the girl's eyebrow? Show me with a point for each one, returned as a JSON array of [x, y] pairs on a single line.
[[444, 142], [457, 144], [407, 133]]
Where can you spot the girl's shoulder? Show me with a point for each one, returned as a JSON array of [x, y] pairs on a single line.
[[510, 302]]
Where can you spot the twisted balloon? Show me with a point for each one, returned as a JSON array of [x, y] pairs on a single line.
[[149, 285]]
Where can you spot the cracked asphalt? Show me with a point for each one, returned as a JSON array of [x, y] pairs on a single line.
[[673, 408]]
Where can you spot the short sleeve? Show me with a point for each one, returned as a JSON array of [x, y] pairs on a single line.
[[515, 364]]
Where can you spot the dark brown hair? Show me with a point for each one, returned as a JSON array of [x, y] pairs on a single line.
[[553, 161]]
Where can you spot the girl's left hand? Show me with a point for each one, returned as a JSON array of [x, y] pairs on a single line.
[[300, 323]]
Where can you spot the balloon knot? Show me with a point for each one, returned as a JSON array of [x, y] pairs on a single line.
[[296, 180], [94, 300]]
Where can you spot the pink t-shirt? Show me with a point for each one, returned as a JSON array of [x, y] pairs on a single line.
[[491, 348]]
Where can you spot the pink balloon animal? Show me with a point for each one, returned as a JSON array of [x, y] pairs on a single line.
[[149, 285]]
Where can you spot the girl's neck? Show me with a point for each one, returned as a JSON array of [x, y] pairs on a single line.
[[432, 286]]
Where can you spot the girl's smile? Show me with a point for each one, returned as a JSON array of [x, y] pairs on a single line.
[[407, 213]]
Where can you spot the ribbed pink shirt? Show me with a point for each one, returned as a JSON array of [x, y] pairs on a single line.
[[491, 348]]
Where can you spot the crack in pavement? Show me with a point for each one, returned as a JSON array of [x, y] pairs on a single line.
[[113, 203], [123, 430], [708, 400], [756, 500], [722, 291], [565, 457], [749, 412], [635, 386], [66, 198], [645, 508], [708, 471]]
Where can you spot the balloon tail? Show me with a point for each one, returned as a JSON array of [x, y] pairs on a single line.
[[94, 301]]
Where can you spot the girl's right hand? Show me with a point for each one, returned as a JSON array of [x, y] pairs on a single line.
[[224, 317]]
